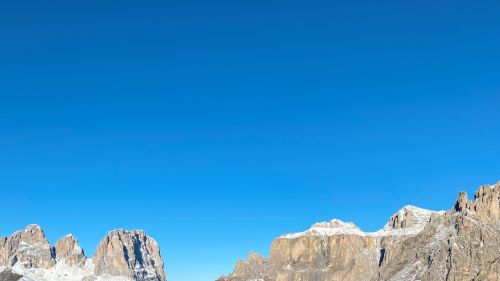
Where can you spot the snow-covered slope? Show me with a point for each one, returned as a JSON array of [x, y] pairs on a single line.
[[64, 272], [333, 227], [409, 220]]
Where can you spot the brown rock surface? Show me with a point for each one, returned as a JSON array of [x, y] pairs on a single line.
[[486, 204], [129, 253], [254, 267], [28, 247], [462, 244], [69, 251]]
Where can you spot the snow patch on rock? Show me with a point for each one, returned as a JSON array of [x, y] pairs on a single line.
[[409, 220]]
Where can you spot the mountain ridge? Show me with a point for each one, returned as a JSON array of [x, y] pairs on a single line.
[[415, 244]]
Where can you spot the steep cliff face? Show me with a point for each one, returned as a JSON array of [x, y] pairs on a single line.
[[121, 256], [131, 254], [334, 257], [415, 244], [69, 251], [485, 206], [28, 248], [464, 244]]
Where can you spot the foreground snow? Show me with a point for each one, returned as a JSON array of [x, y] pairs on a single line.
[[62, 272]]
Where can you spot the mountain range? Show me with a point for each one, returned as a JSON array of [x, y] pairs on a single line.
[[121, 255], [462, 243]]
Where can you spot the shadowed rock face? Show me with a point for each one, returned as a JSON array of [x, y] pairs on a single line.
[[9, 276], [131, 254], [416, 244]]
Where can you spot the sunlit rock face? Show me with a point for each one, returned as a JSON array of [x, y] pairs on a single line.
[[464, 244], [129, 253], [415, 244], [69, 251], [255, 267], [27, 247], [486, 204], [334, 257]]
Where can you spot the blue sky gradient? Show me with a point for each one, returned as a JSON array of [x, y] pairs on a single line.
[[219, 125]]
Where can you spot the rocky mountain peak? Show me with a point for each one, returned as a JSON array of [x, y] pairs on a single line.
[[34, 228], [255, 257], [485, 206], [69, 251], [255, 267], [487, 202], [121, 256], [461, 203], [409, 217], [32, 233], [28, 247], [129, 253]]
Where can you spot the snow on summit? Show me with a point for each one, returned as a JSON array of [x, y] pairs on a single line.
[[409, 220]]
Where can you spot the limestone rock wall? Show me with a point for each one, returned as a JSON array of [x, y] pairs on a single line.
[[335, 258], [69, 251], [129, 253], [462, 244], [254, 267], [28, 247]]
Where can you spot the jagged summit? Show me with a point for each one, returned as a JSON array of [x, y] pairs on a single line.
[[409, 220], [68, 250], [462, 244], [33, 227], [255, 267], [486, 203], [27, 247], [121, 256]]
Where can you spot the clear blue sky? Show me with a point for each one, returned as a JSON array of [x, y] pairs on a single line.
[[219, 125]]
